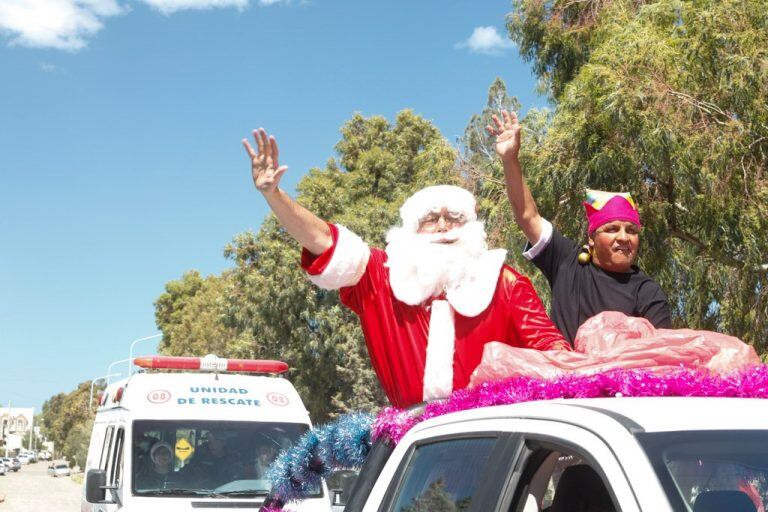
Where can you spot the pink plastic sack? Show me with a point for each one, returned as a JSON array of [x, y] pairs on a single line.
[[614, 340]]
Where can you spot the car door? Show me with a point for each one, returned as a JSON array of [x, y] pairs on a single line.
[[498, 473], [568, 467]]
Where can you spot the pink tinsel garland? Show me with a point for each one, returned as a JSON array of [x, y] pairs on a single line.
[[751, 382]]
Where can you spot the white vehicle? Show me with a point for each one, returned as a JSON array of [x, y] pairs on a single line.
[[12, 463], [172, 441], [23, 458], [30, 455], [603, 454], [59, 469], [3, 468]]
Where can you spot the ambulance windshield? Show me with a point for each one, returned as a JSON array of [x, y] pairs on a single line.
[[207, 458]]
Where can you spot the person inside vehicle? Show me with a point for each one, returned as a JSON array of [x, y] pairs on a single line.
[[212, 466], [156, 474], [431, 300], [263, 457], [604, 277]]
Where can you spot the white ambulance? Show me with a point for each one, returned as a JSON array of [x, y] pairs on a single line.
[[200, 438]]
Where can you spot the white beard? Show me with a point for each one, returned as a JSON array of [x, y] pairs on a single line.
[[421, 268]]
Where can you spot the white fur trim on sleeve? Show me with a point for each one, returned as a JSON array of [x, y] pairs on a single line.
[[438, 369], [544, 239], [348, 263]]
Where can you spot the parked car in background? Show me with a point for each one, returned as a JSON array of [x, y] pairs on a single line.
[[12, 463], [32, 455], [60, 469], [3, 469], [23, 458]]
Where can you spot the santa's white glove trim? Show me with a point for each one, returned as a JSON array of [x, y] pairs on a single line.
[[348, 263], [438, 370]]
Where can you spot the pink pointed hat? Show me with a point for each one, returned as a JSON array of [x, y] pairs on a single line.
[[603, 207]]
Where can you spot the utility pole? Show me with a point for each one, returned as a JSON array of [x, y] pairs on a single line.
[[31, 431], [6, 431]]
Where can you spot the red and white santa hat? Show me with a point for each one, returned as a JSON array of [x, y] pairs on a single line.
[[435, 198]]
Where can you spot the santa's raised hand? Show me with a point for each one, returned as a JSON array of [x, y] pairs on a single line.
[[507, 133], [265, 167]]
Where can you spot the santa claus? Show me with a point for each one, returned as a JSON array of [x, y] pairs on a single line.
[[431, 300]]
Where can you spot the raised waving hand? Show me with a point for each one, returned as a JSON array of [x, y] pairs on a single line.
[[507, 133], [304, 226], [265, 167]]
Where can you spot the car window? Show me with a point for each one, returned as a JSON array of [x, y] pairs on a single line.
[[105, 448], [711, 470], [558, 480], [209, 455], [117, 458], [443, 476]]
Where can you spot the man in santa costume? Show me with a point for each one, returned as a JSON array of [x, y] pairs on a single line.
[[430, 301]]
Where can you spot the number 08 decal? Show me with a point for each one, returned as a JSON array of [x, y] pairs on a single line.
[[158, 396], [277, 399]]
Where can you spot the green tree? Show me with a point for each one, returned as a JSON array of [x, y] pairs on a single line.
[[665, 99], [267, 307], [75, 447], [192, 315], [64, 413]]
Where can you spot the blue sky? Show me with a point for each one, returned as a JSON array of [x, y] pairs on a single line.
[[120, 158]]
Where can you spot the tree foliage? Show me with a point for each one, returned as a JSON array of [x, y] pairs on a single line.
[[481, 169], [67, 420], [666, 99], [265, 307], [192, 315], [436, 498]]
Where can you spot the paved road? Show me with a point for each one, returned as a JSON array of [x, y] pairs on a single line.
[[32, 490]]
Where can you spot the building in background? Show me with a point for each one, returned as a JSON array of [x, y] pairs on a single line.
[[15, 423]]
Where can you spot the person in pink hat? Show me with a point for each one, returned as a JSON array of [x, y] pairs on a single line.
[[604, 277], [431, 300]]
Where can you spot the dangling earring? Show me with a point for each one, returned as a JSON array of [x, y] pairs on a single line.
[[585, 255]]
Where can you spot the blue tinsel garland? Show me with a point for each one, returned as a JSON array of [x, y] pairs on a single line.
[[342, 444]]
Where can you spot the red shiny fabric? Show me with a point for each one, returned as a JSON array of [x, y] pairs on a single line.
[[396, 333]]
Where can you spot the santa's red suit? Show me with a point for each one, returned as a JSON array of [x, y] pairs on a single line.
[[426, 350]]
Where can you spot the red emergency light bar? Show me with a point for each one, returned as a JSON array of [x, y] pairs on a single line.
[[211, 363]]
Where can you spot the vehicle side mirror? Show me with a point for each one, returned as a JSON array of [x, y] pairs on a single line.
[[95, 482], [340, 484]]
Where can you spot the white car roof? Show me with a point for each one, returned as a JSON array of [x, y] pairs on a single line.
[[649, 414]]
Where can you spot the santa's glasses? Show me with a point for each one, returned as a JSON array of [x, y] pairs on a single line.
[[435, 220]]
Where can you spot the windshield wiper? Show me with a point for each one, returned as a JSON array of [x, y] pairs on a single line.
[[174, 490], [246, 492]]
